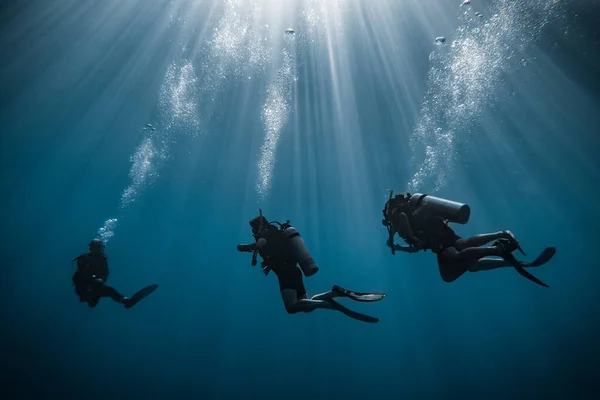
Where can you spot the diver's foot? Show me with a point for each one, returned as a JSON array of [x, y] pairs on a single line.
[[506, 244], [340, 291], [357, 296], [514, 243], [505, 249]]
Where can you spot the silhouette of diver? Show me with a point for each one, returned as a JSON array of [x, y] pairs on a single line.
[[90, 277]]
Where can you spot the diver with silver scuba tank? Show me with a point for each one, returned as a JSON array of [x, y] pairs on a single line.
[[282, 249], [422, 221]]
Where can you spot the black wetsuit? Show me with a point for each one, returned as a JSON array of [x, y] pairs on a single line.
[[278, 257], [437, 235], [90, 277], [434, 231]]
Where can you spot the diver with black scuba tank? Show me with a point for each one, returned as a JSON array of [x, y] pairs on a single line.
[[422, 221], [281, 250]]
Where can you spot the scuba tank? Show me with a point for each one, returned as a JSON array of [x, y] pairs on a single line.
[[305, 259], [437, 207]]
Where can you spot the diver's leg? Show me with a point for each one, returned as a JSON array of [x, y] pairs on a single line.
[[471, 254], [480, 240], [450, 268], [103, 290], [83, 291], [475, 265], [486, 264], [453, 263], [326, 296], [293, 292], [87, 292], [93, 302], [294, 305]]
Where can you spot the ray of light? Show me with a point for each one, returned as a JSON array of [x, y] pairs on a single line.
[[463, 82], [178, 114], [299, 124]]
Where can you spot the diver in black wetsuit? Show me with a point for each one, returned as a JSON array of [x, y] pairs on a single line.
[[422, 221], [281, 250], [90, 276]]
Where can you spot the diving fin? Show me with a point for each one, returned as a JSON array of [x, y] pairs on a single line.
[[353, 314], [514, 243], [141, 294], [529, 276], [545, 256], [518, 266], [357, 296]]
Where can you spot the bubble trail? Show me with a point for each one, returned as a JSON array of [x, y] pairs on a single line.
[[463, 81]]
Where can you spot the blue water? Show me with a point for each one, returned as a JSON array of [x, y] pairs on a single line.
[[315, 128]]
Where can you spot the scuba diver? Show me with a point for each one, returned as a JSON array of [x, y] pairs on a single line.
[[281, 250], [90, 276], [422, 221]]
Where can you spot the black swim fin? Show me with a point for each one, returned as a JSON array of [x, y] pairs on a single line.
[[353, 314], [514, 243], [357, 296], [545, 256], [521, 270], [141, 294], [518, 266]]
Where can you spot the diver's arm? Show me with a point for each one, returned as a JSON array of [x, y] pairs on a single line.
[[406, 249], [259, 244], [103, 271], [405, 231]]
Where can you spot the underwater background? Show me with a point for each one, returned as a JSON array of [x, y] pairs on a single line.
[[163, 126]]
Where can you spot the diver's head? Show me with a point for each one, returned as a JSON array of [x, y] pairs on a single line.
[[398, 203], [258, 224], [401, 200], [96, 246], [403, 197]]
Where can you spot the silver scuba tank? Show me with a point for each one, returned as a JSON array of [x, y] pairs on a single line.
[[305, 259], [437, 207]]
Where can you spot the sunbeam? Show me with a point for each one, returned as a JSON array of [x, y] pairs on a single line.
[[163, 126], [464, 79]]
